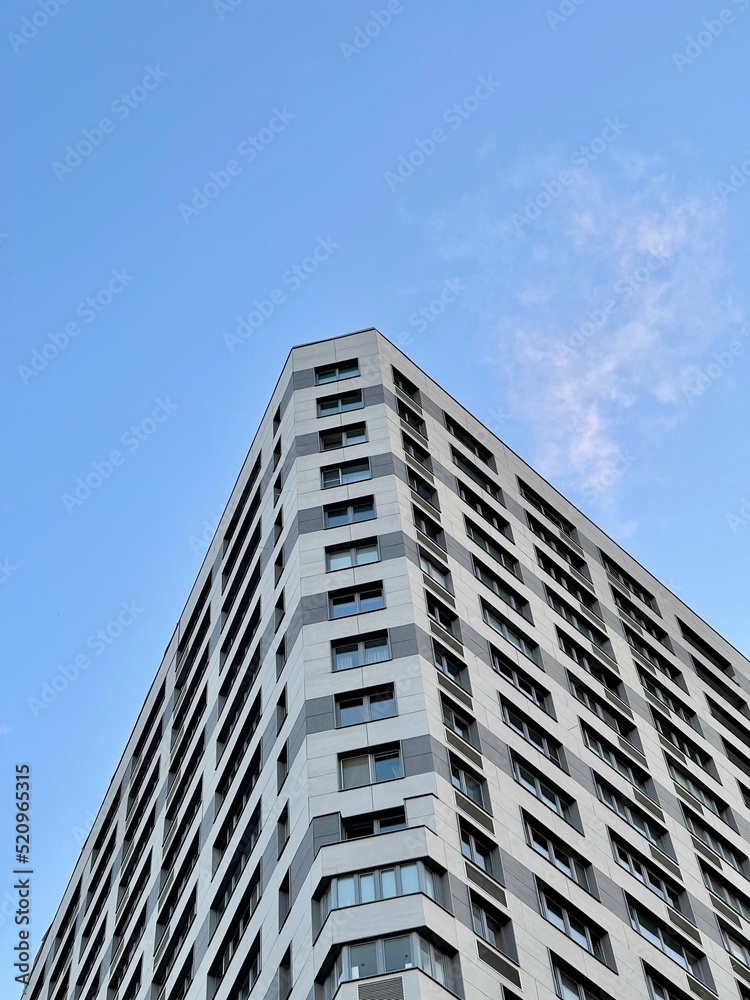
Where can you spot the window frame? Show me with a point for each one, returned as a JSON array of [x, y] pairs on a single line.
[[372, 755], [365, 591], [337, 368], [324, 437], [339, 398], [350, 507], [353, 548], [342, 468], [366, 695]]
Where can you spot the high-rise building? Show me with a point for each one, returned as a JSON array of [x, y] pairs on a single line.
[[423, 729]]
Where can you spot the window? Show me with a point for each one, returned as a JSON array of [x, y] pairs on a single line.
[[336, 515], [343, 437], [494, 583], [647, 874], [568, 919], [477, 475], [249, 973], [282, 766], [602, 709], [373, 824], [543, 789], [423, 489], [277, 486], [278, 566], [282, 829], [665, 939], [383, 883], [468, 782], [661, 989], [572, 558], [491, 547], [405, 385], [542, 505], [412, 419], [730, 696], [277, 420], [360, 651], [479, 850], [346, 556], [727, 892], [525, 727], [468, 440], [520, 680], [706, 649], [357, 601], [715, 842], [510, 633], [578, 621], [336, 373], [649, 654], [571, 985], [365, 706], [589, 663], [552, 849], [230, 944], [682, 777], [370, 768], [683, 744], [416, 451], [666, 697], [284, 898], [278, 612], [343, 403], [617, 761], [345, 473], [492, 926], [428, 527], [565, 580], [390, 954], [278, 526], [277, 453], [285, 974], [460, 723], [434, 569], [281, 653], [632, 815], [281, 710], [442, 616], [485, 510], [450, 665], [642, 620]]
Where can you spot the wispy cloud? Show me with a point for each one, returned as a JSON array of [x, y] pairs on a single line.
[[594, 314]]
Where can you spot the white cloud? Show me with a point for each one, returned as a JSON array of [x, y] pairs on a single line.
[[593, 314]]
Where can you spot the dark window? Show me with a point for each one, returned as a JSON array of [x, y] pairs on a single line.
[[342, 403], [356, 601], [365, 706], [343, 437], [346, 472], [360, 650], [336, 515], [336, 373], [468, 440]]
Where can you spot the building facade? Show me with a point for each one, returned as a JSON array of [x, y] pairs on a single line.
[[423, 729]]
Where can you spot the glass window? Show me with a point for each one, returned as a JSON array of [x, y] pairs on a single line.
[[477, 849], [343, 437], [397, 953], [364, 769], [388, 883], [520, 680], [387, 765], [335, 373], [359, 510], [435, 570], [509, 632], [342, 403], [498, 587], [429, 528], [449, 664], [355, 771], [491, 547], [347, 472], [353, 602], [467, 783], [367, 887], [347, 556], [363, 959], [345, 890]]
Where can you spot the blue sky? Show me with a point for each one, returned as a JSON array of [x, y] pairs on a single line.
[[573, 176]]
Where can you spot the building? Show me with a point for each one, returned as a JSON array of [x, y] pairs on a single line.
[[422, 729]]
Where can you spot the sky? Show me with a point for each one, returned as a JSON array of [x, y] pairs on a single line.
[[545, 204]]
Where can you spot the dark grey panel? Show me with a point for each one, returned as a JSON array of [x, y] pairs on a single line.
[[320, 715], [303, 379], [307, 444]]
